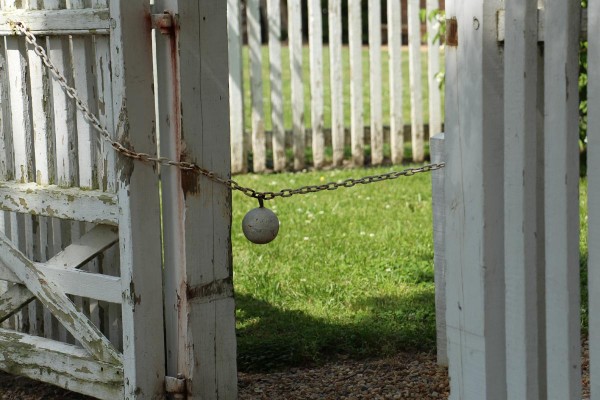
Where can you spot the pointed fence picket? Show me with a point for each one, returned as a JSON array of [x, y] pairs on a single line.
[[373, 136], [511, 248]]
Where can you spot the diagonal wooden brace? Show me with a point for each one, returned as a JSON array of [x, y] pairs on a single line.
[[74, 256], [50, 294]]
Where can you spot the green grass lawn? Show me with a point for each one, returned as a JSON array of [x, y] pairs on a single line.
[[326, 83], [351, 273]]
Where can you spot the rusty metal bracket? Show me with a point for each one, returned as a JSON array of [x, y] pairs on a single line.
[[164, 22], [452, 32], [176, 387]]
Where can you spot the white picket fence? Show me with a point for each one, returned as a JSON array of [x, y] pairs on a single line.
[[507, 220], [90, 298], [295, 135]]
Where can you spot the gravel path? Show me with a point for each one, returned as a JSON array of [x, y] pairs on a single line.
[[405, 376]]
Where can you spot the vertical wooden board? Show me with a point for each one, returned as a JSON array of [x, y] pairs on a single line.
[[64, 114], [474, 233], [337, 81], [416, 94], [315, 38], [295, 48], [436, 144], [173, 203], [256, 86], [520, 200], [42, 130], [593, 165], [22, 146], [561, 176], [236, 87], [395, 67], [139, 222], [375, 74], [19, 98], [274, 24], [6, 163], [433, 68], [356, 84], [6, 159], [211, 350]]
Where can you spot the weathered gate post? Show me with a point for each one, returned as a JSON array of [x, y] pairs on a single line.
[[192, 87], [139, 236], [474, 201]]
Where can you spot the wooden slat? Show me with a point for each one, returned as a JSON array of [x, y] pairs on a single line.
[[593, 165], [433, 68], [375, 74], [236, 87], [57, 302], [74, 282], [337, 81], [396, 88], [58, 22], [583, 30], [473, 177], [64, 203], [520, 202], [6, 159], [437, 149], [562, 201], [275, 71], [22, 138], [356, 83], [295, 46], [202, 339], [256, 86], [13, 299], [137, 188], [315, 38], [58, 49], [59, 364], [416, 94]]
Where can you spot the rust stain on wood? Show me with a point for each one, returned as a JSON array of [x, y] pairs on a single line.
[[452, 32], [221, 288]]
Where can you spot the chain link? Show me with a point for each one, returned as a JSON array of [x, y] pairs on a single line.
[[20, 28]]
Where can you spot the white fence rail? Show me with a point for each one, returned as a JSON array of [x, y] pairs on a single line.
[[507, 241], [268, 148]]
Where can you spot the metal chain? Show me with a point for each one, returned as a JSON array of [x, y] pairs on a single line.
[[20, 28]]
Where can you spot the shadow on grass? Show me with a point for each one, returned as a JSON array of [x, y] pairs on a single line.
[[270, 338]]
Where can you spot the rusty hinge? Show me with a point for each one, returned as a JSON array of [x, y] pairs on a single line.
[[176, 387], [164, 22], [452, 32]]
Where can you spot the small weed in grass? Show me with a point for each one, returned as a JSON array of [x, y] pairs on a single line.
[[351, 272]]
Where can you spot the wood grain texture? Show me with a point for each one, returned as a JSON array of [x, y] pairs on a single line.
[[139, 219], [414, 69], [561, 176], [396, 84], [275, 73], [259, 156], [236, 86], [315, 40], [357, 133], [375, 77], [295, 45], [336, 79], [520, 201], [474, 233]]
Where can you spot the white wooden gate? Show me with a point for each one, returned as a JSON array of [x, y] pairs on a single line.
[[512, 198], [81, 260]]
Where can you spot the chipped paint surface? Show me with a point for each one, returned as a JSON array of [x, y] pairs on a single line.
[[66, 203]]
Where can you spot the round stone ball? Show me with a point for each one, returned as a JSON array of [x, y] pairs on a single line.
[[260, 225]]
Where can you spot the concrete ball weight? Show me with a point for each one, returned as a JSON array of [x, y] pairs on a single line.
[[260, 225]]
